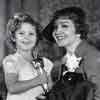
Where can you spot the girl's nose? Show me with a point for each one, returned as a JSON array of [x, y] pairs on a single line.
[[26, 37]]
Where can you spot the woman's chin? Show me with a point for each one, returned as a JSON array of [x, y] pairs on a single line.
[[60, 44]]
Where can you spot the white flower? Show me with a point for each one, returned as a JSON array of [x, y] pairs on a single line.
[[72, 62]]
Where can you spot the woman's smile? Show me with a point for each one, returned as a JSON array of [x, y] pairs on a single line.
[[60, 36]]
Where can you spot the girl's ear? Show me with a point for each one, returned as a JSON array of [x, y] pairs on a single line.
[[35, 52]]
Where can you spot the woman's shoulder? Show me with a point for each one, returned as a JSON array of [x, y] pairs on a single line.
[[48, 64]]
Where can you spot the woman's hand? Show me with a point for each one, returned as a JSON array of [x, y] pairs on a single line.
[[41, 97]]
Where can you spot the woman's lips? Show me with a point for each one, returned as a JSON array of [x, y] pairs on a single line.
[[60, 37]]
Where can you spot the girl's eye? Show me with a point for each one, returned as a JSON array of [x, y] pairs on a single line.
[[31, 33], [21, 33]]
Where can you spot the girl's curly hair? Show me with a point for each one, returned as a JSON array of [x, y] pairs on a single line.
[[14, 24]]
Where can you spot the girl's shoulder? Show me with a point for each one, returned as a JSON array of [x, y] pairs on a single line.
[[10, 64], [11, 59]]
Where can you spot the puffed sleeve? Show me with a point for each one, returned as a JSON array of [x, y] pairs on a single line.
[[9, 65], [48, 65]]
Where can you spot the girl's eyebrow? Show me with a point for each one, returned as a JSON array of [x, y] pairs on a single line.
[[20, 32]]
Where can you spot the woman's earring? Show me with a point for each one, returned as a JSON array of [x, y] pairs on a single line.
[[13, 39], [78, 35]]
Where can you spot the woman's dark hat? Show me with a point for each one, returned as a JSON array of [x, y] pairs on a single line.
[[48, 30]]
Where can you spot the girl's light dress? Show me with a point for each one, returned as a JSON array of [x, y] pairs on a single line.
[[16, 64]]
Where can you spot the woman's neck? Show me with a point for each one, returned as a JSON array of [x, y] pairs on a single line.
[[72, 48]]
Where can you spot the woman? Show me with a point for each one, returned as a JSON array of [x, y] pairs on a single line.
[[23, 80], [69, 29]]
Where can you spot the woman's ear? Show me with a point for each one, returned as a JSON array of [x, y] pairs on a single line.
[[78, 35], [13, 39], [53, 34]]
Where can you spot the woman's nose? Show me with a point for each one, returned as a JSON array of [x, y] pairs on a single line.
[[58, 29]]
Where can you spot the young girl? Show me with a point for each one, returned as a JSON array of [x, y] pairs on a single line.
[[22, 80]]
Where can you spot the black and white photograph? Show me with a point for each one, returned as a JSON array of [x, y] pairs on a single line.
[[49, 50]]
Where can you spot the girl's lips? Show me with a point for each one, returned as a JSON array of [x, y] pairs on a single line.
[[24, 42]]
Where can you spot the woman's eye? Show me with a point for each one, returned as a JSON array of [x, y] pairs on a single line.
[[64, 26]]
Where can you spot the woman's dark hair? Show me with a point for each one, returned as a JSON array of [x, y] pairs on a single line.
[[14, 24], [76, 14]]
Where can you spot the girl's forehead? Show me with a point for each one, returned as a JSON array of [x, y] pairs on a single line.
[[26, 27], [23, 23], [26, 24]]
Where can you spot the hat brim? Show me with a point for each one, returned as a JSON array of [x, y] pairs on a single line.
[[48, 31]]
